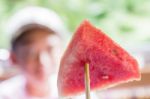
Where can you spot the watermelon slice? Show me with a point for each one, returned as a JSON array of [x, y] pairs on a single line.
[[109, 63]]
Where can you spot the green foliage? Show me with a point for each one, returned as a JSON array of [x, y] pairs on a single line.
[[123, 20]]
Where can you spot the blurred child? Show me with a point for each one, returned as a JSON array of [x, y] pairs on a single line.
[[37, 36]]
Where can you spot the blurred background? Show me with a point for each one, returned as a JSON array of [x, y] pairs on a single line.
[[125, 21]]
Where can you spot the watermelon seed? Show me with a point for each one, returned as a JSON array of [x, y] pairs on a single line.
[[114, 51]]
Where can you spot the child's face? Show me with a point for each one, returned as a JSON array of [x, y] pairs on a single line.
[[37, 59]]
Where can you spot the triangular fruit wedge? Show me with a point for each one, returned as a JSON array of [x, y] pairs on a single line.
[[109, 63]]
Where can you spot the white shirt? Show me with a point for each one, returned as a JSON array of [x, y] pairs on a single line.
[[14, 88]]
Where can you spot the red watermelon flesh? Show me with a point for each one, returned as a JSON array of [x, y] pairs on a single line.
[[109, 63]]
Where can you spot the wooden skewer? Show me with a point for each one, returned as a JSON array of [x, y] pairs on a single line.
[[87, 81]]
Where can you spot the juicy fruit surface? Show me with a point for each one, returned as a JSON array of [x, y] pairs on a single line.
[[109, 63]]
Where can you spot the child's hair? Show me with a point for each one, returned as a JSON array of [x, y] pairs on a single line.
[[24, 38]]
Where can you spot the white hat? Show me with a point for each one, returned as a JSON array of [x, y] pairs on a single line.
[[35, 15]]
